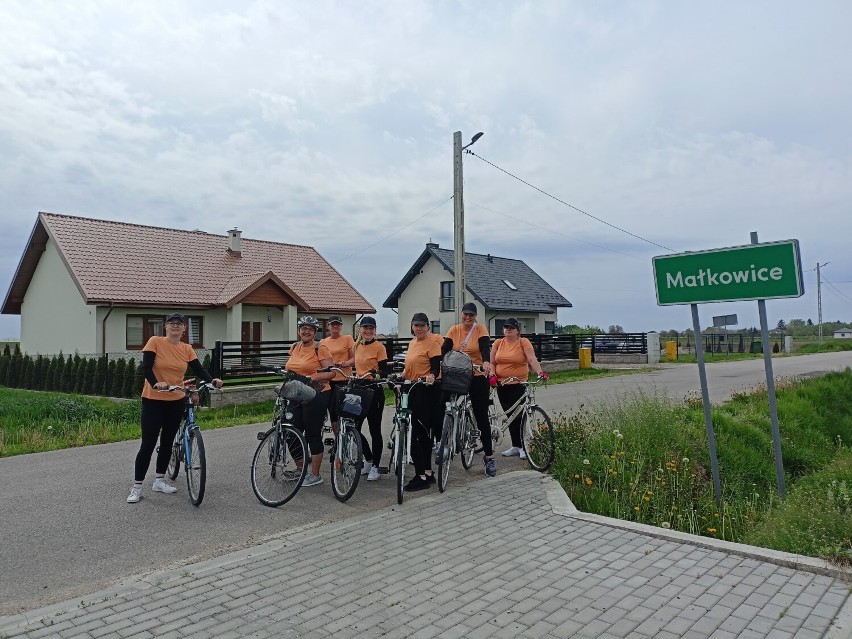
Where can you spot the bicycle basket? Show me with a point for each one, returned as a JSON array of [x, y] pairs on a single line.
[[353, 402], [297, 391], [456, 372]]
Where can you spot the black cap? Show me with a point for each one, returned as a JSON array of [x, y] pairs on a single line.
[[368, 321], [335, 319], [176, 317], [420, 318], [512, 323], [470, 307]]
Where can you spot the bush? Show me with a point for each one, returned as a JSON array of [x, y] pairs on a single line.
[[117, 378], [129, 379]]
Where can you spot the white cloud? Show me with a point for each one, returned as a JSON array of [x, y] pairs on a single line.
[[683, 124]]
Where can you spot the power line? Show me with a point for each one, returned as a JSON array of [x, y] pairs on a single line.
[[837, 290], [579, 210], [390, 235], [576, 239]]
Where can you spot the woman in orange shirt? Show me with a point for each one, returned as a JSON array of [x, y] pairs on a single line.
[[423, 360], [474, 339], [164, 362], [371, 355], [306, 358], [513, 356], [340, 347]]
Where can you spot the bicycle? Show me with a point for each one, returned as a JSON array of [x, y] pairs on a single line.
[[280, 462], [346, 453], [400, 439], [458, 436], [188, 446], [537, 433]]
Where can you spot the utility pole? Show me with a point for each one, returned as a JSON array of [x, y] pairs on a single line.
[[458, 223], [458, 218], [819, 302]]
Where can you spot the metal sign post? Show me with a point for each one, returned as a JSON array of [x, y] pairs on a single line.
[[752, 272]]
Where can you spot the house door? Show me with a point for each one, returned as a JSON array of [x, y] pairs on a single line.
[[250, 332]]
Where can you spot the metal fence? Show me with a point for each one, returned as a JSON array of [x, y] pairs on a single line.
[[248, 362], [723, 343]]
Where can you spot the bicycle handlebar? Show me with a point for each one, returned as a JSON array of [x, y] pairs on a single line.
[[351, 377], [187, 389]]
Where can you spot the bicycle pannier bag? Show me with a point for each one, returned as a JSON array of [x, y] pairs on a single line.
[[456, 372], [353, 402]]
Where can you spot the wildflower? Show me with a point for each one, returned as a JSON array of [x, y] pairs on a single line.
[[685, 460], [650, 492], [613, 473], [576, 476], [716, 514], [50, 428], [615, 490], [585, 462], [712, 531], [588, 481], [636, 508], [616, 432], [665, 524], [619, 435], [646, 498]]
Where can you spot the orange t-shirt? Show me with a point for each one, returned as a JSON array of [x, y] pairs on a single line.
[[170, 364], [458, 334], [307, 360], [339, 349], [510, 360], [418, 356], [368, 356]]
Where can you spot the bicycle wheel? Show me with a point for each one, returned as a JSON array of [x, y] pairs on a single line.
[[468, 438], [444, 455], [196, 467], [279, 465], [539, 439], [346, 471], [494, 424], [401, 456], [177, 449]]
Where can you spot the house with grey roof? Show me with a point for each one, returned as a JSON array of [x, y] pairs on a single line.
[[98, 286], [844, 332], [501, 288]]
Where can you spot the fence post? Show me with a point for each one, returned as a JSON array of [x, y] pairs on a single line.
[[216, 360]]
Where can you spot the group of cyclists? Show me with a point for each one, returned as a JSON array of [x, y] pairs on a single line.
[[505, 364]]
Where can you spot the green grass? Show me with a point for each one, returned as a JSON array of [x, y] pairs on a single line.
[[36, 421], [646, 460]]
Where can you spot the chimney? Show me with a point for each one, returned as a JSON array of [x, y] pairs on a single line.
[[489, 258], [234, 242]]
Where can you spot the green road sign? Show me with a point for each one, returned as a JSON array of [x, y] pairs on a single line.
[[752, 272]]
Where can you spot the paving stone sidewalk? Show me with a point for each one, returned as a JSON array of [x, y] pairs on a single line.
[[507, 557]]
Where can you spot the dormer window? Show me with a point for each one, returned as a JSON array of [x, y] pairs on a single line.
[[510, 285]]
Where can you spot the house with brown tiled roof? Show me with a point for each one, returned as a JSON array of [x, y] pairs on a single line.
[[97, 286]]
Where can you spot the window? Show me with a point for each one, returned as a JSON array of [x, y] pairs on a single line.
[[436, 327], [510, 285], [448, 296], [550, 328], [141, 328]]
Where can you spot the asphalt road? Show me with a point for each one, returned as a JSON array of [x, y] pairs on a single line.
[[65, 529]]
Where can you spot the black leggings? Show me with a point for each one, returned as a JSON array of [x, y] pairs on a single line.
[[160, 418], [309, 419], [426, 414], [508, 395], [374, 418]]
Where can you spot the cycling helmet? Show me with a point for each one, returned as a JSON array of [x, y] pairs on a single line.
[[307, 320]]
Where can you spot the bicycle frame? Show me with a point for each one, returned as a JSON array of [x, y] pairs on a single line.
[[525, 403]]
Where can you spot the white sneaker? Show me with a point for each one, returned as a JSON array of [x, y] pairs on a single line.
[[311, 480], [522, 453], [374, 473], [365, 469], [160, 486], [135, 494], [514, 451]]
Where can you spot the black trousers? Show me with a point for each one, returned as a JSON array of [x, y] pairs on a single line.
[[508, 395], [160, 419], [374, 419], [426, 415], [309, 419]]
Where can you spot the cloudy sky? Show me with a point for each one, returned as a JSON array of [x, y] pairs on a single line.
[[679, 126]]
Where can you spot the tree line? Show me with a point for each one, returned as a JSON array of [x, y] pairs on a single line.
[[102, 376]]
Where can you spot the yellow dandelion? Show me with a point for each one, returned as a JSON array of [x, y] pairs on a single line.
[[636, 508], [646, 498], [576, 476], [588, 481], [712, 531]]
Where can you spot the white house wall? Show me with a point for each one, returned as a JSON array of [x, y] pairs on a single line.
[[54, 316]]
